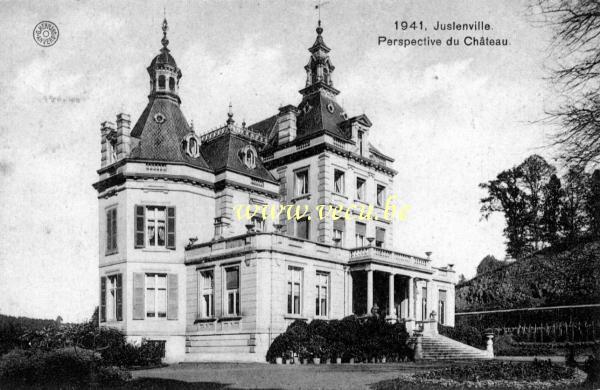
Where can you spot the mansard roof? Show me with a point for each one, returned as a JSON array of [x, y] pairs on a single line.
[[160, 130]]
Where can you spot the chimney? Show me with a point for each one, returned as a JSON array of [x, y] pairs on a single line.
[[107, 132], [286, 124], [123, 136]]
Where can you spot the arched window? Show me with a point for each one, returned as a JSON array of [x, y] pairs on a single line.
[[161, 82], [326, 75], [193, 145], [250, 158], [171, 83]]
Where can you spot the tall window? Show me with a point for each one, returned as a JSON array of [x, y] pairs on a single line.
[[379, 237], [207, 294], [302, 228], [232, 290], [294, 290], [380, 195], [338, 181], [111, 231], [321, 308], [171, 83], [155, 226], [360, 142], [360, 188], [442, 307], [112, 150], [360, 234], [161, 82], [339, 226], [259, 223], [301, 182], [111, 299], [424, 303], [156, 295]]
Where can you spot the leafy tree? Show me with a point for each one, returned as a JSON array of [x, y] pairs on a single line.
[[487, 264], [593, 204], [461, 278], [573, 218], [550, 221]]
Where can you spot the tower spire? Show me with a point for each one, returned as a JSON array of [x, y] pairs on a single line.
[[165, 28], [230, 120]]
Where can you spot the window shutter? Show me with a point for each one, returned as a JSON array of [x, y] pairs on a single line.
[[114, 229], [140, 228], [361, 229], [171, 227], [109, 227], [103, 299], [380, 234], [119, 297], [339, 224], [172, 297], [138, 296]]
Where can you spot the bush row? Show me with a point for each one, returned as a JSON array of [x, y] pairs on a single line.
[[349, 338]]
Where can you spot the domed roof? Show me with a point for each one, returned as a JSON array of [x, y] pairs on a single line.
[[164, 58]]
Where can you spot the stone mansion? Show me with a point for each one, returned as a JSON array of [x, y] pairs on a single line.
[[176, 264]]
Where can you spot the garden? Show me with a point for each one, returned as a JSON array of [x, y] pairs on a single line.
[[349, 340]]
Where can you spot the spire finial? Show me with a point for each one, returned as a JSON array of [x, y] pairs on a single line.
[[165, 28], [230, 120], [318, 7]]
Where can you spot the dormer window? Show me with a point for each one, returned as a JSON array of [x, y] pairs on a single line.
[[248, 156], [330, 108], [191, 145]]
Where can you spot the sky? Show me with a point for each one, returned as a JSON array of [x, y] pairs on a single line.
[[451, 117]]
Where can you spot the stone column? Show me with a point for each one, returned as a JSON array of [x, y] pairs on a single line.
[[350, 292], [391, 308], [369, 291], [411, 299]]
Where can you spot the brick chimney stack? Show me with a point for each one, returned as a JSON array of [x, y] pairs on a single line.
[[286, 124], [123, 136]]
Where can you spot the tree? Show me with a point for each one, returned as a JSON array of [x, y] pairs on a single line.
[[573, 218], [552, 199], [461, 278], [593, 204], [506, 196], [576, 43], [487, 264]]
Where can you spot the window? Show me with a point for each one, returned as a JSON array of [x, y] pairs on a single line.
[[360, 234], [171, 83], [112, 151], [250, 159], [380, 195], [339, 226], [321, 308], [424, 303], [360, 188], [360, 142], [294, 290], [154, 227], [442, 307], [338, 181], [111, 298], [156, 295], [207, 294], [111, 231], [259, 223], [232, 291], [379, 237], [302, 182], [302, 228], [161, 82]]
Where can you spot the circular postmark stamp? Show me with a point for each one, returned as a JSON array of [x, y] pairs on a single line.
[[45, 33]]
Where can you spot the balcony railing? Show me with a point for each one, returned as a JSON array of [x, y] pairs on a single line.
[[376, 253]]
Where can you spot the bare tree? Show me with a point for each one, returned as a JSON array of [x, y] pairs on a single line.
[[576, 46]]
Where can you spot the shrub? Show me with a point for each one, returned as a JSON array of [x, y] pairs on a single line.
[[464, 333], [347, 339]]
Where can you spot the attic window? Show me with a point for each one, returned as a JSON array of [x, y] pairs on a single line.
[[191, 145], [344, 115], [248, 156], [159, 118], [306, 108], [330, 108]]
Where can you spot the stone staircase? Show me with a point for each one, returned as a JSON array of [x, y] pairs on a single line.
[[221, 348], [438, 347]]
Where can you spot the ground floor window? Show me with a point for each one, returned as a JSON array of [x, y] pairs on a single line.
[[321, 308], [111, 298], [156, 295], [294, 290], [442, 307], [232, 290]]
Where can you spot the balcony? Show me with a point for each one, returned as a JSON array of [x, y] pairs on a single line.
[[372, 253]]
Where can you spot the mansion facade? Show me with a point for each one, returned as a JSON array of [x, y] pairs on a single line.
[[178, 266]]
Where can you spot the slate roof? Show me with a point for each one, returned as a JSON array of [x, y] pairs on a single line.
[[162, 141], [318, 116], [223, 153], [163, 58]]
